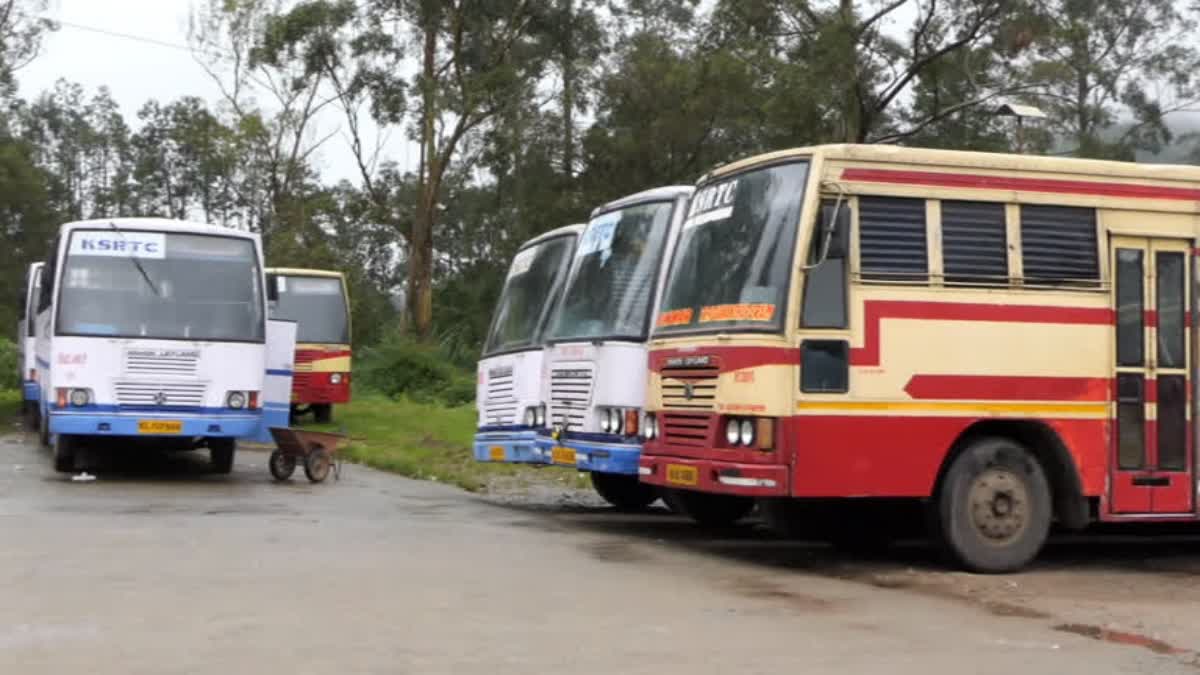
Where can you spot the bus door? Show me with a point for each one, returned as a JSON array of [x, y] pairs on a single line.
[[1153, 466]]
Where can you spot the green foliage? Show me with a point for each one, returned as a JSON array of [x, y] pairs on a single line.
[[401, 367], [10, 366]]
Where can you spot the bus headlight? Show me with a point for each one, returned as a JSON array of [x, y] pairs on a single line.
[[746, 433], [335, 378], [733, 431], [81, 397], [236, 400], [616, 421], [540, 415], [530, 417], [605, 420], [649, 427]]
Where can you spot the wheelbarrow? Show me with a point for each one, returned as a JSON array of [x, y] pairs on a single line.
[[318, 450]]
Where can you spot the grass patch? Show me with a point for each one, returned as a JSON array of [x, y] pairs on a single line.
[[424, 440], [11, 401]]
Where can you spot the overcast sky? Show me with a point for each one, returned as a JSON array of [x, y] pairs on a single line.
[[138, 70]]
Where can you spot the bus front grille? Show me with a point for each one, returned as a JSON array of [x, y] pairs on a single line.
[[570, 396], [166, 394], [162, 363], [689, 388], [686, 429], [500, 408]]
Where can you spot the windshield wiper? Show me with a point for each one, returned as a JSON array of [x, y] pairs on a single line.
[[136, 263]]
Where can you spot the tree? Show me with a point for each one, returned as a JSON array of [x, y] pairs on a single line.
[[1110, 72]]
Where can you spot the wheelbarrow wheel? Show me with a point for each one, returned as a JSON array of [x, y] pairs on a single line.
[[317, 464], [282, 465]]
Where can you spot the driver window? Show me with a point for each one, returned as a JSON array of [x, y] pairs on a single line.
[[825, 285]]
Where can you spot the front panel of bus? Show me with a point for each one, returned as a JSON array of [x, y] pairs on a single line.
[[320, 307], [594, 382], [157, 333], [510, 373], [722, 365]]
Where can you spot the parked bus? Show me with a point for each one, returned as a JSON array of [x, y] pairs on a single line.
[[318, 302], [510, 372], [594, 381], [848, 331], [154, 329], [26, 337]]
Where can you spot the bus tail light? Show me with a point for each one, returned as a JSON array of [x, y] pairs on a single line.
[[61, 397], [254, 400], [631, 422], [766, 433]]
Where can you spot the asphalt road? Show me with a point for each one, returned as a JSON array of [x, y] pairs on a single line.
[[158, 567]]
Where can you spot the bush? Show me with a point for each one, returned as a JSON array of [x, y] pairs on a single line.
[[400, 366], [10, 368]]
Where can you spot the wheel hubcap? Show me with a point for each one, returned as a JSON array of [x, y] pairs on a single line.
[[999, 504]]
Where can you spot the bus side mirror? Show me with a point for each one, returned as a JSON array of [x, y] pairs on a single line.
[[838, 247], [272, 289]]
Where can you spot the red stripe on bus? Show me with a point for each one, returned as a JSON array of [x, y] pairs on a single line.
[[875, 311], [1008, 388], [1051, 185]]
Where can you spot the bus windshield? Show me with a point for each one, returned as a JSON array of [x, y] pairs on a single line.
[[317, 305], [160, 285], [611, 286], [529, 291], [733, 263]]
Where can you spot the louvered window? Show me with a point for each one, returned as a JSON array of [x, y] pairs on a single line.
[[974, 243], [892, 239], [1058, 244]]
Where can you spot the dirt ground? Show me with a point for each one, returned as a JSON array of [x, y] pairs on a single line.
[[159, 567]]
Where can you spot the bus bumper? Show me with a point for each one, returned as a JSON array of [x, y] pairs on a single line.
[[598, 456], [706, 475], [33, 392], [517, 447], [126, 424]]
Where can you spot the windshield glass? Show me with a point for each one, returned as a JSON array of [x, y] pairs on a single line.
[[134, 283], [731, 269], [317, 305], [611, 286], [531, 289]]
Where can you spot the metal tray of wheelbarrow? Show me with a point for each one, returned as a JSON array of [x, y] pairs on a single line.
[[318, 450]]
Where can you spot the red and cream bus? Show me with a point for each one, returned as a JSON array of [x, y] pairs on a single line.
[[1002, 341], [318, 302]]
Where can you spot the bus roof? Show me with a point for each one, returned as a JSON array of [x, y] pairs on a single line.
[[962, 159], [156, 225], [669, 192], [302, 272], [575, 229]]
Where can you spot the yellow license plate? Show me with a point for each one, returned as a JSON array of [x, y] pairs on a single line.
[[160, 427], [677, 474], [496, 453], [561, 455]]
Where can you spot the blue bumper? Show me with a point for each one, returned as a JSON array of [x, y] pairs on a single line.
[[513, 446], [33, 392], [126, 424], [602, 453]]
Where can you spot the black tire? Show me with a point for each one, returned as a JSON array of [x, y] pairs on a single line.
[[789, 518], [29, 415], [317, 464], [282, 465], [221, 452], [994, 507], [322, 413], [64, 453], [712, 510], [624, 492]]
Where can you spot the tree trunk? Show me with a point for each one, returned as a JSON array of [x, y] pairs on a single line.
[[420, 241], [568, 95]]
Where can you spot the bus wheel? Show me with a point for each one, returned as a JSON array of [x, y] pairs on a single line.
[[713, 510], [788, 518], [44, 426], [994, 508], [64, 453], [322, 413], [221, 452], [622, 491]]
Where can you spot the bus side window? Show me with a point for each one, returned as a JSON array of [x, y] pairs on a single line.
[[824, 302], [48, 274]]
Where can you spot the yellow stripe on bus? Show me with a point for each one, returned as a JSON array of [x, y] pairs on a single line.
[[1098, 409]]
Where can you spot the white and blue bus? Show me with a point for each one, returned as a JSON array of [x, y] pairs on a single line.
[[596, 368], [510, 372], [26, 345], [154, 329]]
